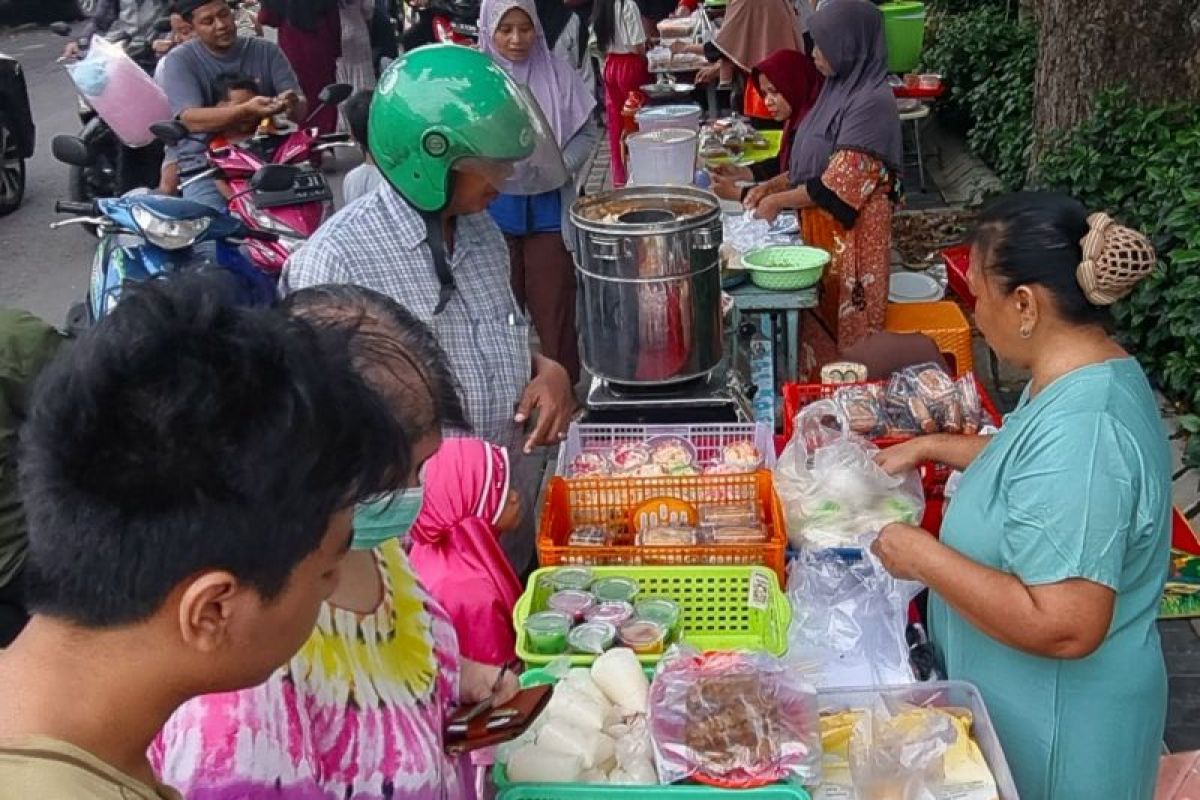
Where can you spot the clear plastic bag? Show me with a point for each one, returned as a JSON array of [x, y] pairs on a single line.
[[832, 490], [849, 616], [733, 719], [120, 92], [747, 232], [897, 752]]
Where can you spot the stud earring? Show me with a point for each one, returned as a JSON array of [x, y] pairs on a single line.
[[1026, 331]]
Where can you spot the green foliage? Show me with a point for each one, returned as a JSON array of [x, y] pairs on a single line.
[[1142, 164], [988, 60]]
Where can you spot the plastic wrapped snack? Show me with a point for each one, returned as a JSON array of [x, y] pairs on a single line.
[[668, 536], [863, 407], [733, 719], [590, 536], [590, 465], [972, 405], [630, 456], [672, 452], [832, 490], [120, 92], [736, 534], [939, 394], [743, 455], [907, 413], [896, 755], [723, 515]]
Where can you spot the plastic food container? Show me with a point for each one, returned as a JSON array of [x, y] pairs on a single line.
[[572, 602], [929, 81], [615, 613], [665, 157], [663, 611], [655, 118], [546, 632], [592, 638], [617, 589], [643, 636], [571, 578]]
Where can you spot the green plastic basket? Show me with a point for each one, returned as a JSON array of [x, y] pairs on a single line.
[[718, 610], [786, 267], [581, 791]]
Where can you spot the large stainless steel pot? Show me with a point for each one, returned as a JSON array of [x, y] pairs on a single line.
[[650, 281]]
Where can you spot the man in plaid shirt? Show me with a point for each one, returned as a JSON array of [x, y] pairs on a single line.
[[424, 238]]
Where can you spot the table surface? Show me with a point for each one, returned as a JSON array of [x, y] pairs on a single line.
[[749, 298]]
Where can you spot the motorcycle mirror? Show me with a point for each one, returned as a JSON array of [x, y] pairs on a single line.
[[162, 25], [71, 150], [171, 133], [274, 178], [335, 94], [60, 28]]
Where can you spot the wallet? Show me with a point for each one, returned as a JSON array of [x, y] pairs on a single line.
[[497, 725]]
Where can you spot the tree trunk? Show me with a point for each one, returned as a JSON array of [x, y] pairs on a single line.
[[1086, 46]]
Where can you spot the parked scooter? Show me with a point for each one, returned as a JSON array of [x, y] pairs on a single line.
[[455, 21], [105, 167], [144, 236], [299, 199]]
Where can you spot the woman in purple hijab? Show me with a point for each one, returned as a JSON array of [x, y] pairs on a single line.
[[540, 238], [843, 178]]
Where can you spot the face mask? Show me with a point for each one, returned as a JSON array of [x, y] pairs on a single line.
[[388, 518]]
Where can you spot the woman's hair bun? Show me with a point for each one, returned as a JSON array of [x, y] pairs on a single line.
[[1115, 259]]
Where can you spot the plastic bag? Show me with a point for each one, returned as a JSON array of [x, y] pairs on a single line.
[[897, 752], [939, 394], [863, 406], [747, 232], [120, 92], [832, 490], [972, 405], [849, 615], [733, 719]]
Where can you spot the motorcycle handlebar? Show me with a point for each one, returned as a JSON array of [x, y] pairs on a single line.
[[262, 236], [73, 207]]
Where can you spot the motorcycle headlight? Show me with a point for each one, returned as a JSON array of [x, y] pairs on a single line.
[[268, 223], [169, 234]]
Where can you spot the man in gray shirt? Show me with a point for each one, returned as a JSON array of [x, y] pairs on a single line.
[[189, 77]]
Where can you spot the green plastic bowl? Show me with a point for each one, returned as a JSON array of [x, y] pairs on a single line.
[[786, 267]]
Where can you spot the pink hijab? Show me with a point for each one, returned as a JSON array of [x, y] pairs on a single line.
[[456, 550], [564, 99]]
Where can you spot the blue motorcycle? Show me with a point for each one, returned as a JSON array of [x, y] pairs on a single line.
[[146, 236]]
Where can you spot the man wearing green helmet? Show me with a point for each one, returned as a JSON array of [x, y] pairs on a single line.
[[448, 129]]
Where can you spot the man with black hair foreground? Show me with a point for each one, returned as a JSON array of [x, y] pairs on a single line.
[[189, 473]]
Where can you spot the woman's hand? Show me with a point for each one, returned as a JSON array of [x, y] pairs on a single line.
[[902, 548], [481, 681], [725, 188], [708, 74], [732, 171], [755, 196], [770, 206], [901, 458]]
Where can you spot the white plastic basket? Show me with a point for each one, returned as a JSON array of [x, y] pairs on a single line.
[[936, 694], [709, 440]]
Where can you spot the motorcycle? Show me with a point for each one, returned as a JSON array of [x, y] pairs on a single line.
[[455, 21], [144, 236], [296, 200], [106, 167]]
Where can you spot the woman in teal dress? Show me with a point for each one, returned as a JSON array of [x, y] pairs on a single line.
[[1046, 582]]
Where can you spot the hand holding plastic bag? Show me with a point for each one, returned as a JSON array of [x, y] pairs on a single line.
[[897, 752], [832, 490]]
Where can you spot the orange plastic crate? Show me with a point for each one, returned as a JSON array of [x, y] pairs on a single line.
[[610, 502], [943, 322]]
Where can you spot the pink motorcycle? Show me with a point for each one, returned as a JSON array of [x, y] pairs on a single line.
[[275, 181]]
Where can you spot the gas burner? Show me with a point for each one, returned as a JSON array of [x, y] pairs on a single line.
[[711, 398]]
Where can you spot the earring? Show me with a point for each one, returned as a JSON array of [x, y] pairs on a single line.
[[1026, 331]]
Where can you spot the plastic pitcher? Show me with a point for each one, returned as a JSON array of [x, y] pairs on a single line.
[[664, 157]]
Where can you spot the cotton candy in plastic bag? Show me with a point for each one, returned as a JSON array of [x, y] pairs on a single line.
[[900, 756], [733, 719], [850, 615], [832, 490], [120, 92]]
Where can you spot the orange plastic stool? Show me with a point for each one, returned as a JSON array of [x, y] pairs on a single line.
[[943, 322]]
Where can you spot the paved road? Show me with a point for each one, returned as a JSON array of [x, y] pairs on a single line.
[[42, 270]]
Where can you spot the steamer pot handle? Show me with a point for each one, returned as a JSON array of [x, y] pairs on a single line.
[[605, 249], [707, 238]]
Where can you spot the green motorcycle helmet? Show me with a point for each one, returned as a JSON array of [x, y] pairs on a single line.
[[438, 105]]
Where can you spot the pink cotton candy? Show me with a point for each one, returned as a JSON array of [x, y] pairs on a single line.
[[120, 92]]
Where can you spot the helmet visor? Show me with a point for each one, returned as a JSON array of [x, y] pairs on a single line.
[[542, 170]]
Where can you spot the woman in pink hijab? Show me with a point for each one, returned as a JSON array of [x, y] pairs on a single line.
[[456, 551], [537, 225]]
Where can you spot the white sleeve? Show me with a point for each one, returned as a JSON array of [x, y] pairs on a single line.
[[632, 31]]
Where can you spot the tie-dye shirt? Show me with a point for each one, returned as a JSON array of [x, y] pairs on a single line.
[[357, 714]]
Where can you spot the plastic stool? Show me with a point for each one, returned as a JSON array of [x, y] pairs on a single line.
[[943, 322]]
